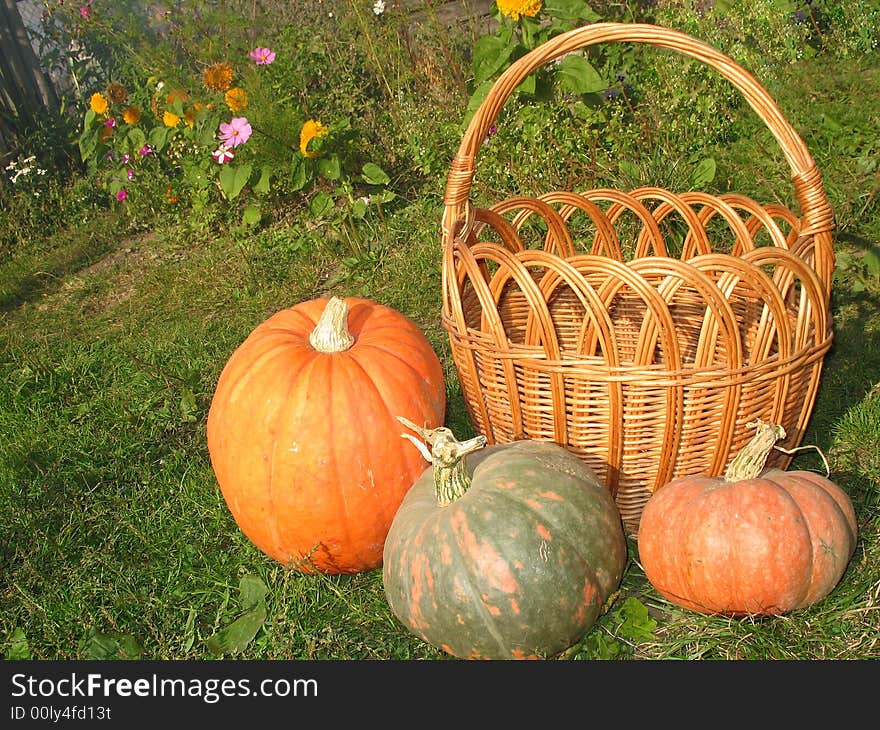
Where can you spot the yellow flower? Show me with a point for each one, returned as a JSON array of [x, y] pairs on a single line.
[[117, 93], [218, 77], [98, 103], [236, 99], [132, 115], [310, 130], [515, 8], [170, 119]]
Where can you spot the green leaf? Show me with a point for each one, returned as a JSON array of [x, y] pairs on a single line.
[[159, 136], [476, 99], [359, 208], [578, 76], [111, 645], [872, 262], [18, 647], [136, 138], [573, 10], [299, 173], [88, 119], [88, 143], [235, 637], [187, 406], [705, 173], [527, 86], [321, 204], [252, 589], [262, 186], [490, 54], [252, 215], [375, 175], [630, 171], [636, 623], [329, 167], [241, 632], [233, 179]]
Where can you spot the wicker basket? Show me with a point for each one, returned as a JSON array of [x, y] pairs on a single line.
[[647, 365]]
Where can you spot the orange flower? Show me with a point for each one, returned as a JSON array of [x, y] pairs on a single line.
[[170, 196], [236, 99], [312, 129], [218, 77], [98, 103], [132, 115], [105, 133], [176, 95], [117, 93], [170, 119]]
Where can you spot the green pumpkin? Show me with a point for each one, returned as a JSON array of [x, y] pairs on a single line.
[[504, 552]]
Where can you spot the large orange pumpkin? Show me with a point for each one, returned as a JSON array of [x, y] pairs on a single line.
[[749, 542], [303, 433]]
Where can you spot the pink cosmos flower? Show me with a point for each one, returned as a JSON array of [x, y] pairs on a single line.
[[263, 56], [125, 158], [111, 122], [147, 149], [236, 132], [223, 154], [129, 173], [122, 195], [86, 11]]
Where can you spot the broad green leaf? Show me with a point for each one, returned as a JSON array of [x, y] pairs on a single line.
[[299, 173], [375, 175], [329, 167], [89, 118], [527, 85], [262, 186], [476, 99], [490, 54], [636, 623], [321, 204], [872, 262], [573, 10], [88, 143], [252, 590], [159, 136], [136, 138], [359, 208], [383, 196], [111, 645], [235, 637], [577, 75], [252, 215], [233, 179], [187, 406], [18, 646], [705, 173]]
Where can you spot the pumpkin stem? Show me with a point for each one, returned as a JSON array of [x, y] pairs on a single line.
[[331, 333], [750, 461], [451, 478]]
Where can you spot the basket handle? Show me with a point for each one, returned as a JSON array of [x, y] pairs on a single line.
[[816, 213]]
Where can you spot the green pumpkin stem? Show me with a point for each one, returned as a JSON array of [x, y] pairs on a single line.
[[751, 459], [331, 333], [447, 455]]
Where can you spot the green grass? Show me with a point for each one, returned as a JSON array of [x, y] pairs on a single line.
[[115, 538]]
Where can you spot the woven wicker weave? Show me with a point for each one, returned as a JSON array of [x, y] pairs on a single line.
[[648, 366]]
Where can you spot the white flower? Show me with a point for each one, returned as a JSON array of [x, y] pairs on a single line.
[[379, 7]]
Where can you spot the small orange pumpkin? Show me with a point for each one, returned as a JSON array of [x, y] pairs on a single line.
[[751, 542], [303, 433]]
